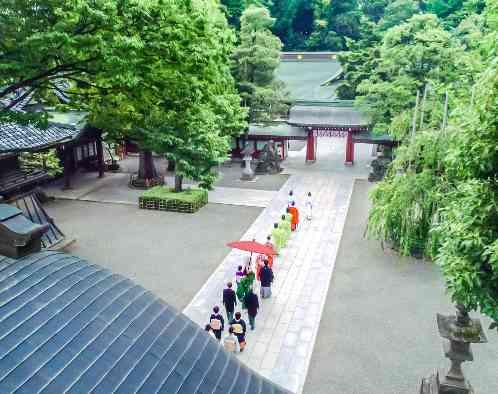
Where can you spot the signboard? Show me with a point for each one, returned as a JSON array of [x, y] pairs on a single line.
[[330, 133]]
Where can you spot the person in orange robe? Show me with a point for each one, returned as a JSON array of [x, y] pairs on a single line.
[[295, 216]]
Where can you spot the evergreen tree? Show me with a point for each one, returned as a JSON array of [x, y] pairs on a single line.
[[234, 10], [254, 64], [335, 23]]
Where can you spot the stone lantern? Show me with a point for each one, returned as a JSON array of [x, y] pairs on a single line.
[[247, 172], [459, 331]]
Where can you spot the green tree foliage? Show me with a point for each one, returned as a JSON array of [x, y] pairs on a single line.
[[397, 12], [358, 62], [414, 54], [335, 22], [254, 64], [175, 94], [452, 12], [294, 22], [47, 161], [53, 39], [440, 197], [469, 220], [374, 9], [234, 10]]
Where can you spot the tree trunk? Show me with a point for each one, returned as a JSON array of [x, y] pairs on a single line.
[[178, 183], [146, 168]]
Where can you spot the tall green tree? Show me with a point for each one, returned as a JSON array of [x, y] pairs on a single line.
[[441, 196], [44, 41], [414, 54], [254, 64], [176, 96]]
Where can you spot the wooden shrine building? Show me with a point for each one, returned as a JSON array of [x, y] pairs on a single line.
[[76, 144]]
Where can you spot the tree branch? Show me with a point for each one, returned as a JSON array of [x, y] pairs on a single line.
[[44, 75]]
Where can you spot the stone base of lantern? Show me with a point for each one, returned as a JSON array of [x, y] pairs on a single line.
[[436, 385]]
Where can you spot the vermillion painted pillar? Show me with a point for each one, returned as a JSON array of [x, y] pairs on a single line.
[[349, 149], [311, 147]]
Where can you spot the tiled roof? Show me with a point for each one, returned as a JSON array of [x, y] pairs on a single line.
[[62, 86], [70, 326], [327, 115], [306, 79], [15, 137]]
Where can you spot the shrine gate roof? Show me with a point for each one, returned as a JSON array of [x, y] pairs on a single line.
[[283, 130], [340, 114], [70, 326]]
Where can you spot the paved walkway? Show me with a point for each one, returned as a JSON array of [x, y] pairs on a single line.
[[281, 346]]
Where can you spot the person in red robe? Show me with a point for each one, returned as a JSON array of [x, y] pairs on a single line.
[[295, 216], [269, 244]]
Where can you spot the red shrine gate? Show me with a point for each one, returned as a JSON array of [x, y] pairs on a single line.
[[328, 119], [314, 133]]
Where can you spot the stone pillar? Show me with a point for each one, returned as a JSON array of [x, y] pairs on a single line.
[[100, 154], [311, 147], [349, 149]]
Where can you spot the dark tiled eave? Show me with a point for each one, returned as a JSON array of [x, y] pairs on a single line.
[[19, 138]]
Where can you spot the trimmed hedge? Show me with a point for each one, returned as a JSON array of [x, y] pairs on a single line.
[[165, 199]]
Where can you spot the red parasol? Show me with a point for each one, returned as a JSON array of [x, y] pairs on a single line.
[[253, 246]]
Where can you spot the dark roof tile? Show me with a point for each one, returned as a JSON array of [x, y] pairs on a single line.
[[68, 326], [16, 138]]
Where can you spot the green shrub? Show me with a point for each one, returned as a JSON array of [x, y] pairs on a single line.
[[165, 199], [165, 193]]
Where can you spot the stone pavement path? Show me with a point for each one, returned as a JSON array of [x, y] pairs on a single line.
[[281, 346]]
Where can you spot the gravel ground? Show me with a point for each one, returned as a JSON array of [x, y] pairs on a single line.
[[378, 332], [168, 253]]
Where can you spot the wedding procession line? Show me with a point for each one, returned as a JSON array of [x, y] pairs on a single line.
[[281, 345]]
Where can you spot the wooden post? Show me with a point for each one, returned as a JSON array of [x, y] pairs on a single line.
[[310, 147], [68, 161], [445, 114], [422, 110], [415, 113], [100, 154], [349, 149]]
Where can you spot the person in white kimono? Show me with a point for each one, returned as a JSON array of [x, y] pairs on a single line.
[[309, 207]]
